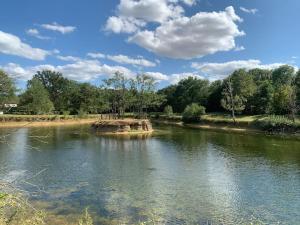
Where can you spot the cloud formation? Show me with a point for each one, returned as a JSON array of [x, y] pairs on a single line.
[[12, 45], [123, 24], [123, 59], [250, 11], [186, 38], [149, 10], [59, 28], [82, 70], [36, 33], [175, 35]]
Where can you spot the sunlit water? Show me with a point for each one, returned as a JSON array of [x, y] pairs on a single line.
[[177, 176]]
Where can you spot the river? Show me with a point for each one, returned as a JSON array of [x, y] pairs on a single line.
[[175, 176]]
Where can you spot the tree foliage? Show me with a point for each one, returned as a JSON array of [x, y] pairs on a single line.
[[193, 112], [36, 98], [7, 89]]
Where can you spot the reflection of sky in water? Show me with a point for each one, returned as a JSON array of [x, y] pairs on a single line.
[[177, 177]]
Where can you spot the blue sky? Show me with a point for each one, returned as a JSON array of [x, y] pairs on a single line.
[[168, 39]]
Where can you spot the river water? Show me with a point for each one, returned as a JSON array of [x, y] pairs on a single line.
[[175, 176]]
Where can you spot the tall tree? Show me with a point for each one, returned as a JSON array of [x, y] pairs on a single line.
[[297, 85], [7, 89], [215, 96], [57, 87], [143, 89], [263, 98], [191, 90], [118, 93], [36, 98], [231, 101], [283, 75], [260, 75]]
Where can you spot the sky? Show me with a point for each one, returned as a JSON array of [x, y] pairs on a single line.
[[89, 41]]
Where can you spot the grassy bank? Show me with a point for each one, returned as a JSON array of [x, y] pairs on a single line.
[[46, 120], [271, 124]]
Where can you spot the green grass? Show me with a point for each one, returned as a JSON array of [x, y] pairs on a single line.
[[22, 118]]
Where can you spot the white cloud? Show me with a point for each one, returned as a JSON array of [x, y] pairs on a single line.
[[239, 48], [214, 71], [123, 59], [157, 76], [12, 45], [123, 24], [96, 55], [59, 28], [189, 2], [149, 10], [250, 11], [21, 73], [82, 70], [185, 38], [175, 78], [68, 58], [36, 33]]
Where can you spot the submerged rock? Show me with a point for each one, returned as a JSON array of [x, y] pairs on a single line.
[[123, 126]]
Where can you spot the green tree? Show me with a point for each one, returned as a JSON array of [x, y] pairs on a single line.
[[7, 89], [215, 96], [283, 75], [260, 75], [231, 101], [144, 94], [297, 86], [281, 101], [263, 98], [36, 98], [191, 90], [193, 112], [118, 94], [168, 110], [57, 86], [169, 93]]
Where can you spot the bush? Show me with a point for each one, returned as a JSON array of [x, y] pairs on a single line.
[[168, 110], [193, 112], [82, 114], [277, 124]]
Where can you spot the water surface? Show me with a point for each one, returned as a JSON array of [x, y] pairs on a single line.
[[177, 176]]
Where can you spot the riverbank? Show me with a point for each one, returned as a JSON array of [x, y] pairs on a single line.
[[250, 124], [15, 121], [218, 127]]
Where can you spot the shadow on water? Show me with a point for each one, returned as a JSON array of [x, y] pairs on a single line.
[[174, 176]]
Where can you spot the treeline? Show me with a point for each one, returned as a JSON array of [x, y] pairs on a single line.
[[252, 92], [50, 92]]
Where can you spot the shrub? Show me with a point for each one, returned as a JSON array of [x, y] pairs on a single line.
[[82, 114], [193, 112], [275, 123], [168, 110]]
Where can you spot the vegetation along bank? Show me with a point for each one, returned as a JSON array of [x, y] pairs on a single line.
[[264, 99]]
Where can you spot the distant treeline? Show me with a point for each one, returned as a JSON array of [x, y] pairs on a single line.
[[256, 91], [252, 92]]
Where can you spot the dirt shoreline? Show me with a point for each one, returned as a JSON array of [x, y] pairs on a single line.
[[68, 122]]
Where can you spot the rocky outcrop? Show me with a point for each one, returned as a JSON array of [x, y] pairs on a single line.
[[123, 126]]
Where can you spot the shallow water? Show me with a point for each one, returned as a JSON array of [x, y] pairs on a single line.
[[176, 176]]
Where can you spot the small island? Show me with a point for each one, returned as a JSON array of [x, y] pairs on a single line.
[[127, 126]]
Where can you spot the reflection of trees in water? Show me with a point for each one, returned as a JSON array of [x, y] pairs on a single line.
[[274, 148]]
